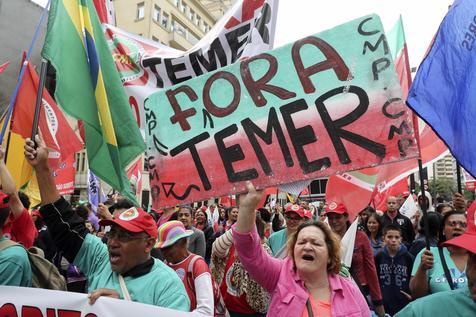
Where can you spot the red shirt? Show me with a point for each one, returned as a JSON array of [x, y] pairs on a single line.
[[364, 266], [183, 271], [233, 301], [21, 229]]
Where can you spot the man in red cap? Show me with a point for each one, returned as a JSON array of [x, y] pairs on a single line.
[[123, 268], [295, 215], [459, 302]]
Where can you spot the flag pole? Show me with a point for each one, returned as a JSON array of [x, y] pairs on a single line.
[[423, 206], [458, 178], [39, 98]]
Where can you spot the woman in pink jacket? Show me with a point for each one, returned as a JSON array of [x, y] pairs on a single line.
[[307, 282]]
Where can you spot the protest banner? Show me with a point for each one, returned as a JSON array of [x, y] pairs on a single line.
[[146, 66], [325, 104], [36, 302]]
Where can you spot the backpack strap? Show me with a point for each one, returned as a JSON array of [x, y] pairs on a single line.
[[125, 291], [190, 277], [448, 276], [4, 244]]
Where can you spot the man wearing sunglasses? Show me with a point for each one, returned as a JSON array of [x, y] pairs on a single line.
[[123, 268]]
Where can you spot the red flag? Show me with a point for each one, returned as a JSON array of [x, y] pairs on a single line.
[[4, 66], [397, 189], [227, 201], [353, 189], [134, 173], [64, 176], [104, 11], [55, 130]]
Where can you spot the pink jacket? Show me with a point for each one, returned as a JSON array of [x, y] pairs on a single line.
[[288, 294]]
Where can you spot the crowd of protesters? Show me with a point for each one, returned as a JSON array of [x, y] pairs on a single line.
[[245, 261]]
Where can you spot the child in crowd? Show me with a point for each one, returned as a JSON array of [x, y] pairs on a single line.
[[394, 266]]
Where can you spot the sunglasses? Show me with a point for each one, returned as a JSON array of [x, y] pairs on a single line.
[[124, 236]]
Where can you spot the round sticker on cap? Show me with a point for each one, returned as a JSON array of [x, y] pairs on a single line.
[[129, 214], [332, 205], [295, 207]]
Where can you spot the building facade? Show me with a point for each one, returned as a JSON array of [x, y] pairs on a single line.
[[444, 168], [176, 23]]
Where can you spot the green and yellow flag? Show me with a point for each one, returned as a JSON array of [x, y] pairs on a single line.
[[89, 88]]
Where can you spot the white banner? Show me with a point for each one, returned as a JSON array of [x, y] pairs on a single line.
[[35, 302], [409, 207], [145, 66], [347, 243]]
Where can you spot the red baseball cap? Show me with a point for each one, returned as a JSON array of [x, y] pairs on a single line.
[[4, 200], [467, 239], [134, 220], [307, 213], [296, 209], [337, 208]]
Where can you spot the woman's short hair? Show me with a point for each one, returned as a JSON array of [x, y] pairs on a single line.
[[332, 243]]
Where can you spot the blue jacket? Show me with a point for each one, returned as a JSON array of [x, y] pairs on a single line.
[[394, 275]]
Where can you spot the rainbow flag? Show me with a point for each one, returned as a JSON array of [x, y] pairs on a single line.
[[89, 88]]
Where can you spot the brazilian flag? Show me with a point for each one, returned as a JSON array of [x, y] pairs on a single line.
[[88, 87]]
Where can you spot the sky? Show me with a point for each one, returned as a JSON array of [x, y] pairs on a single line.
[[300, 18], [421, 19]]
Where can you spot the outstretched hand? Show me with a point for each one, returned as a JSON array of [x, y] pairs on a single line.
[[36, 155]]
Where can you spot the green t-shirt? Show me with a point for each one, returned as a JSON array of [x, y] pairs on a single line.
[[457, 303], [15, 269], [161, 286], [277, 241], [436, 275]]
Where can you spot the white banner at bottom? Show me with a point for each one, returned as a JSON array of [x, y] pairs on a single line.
[[35, 302]]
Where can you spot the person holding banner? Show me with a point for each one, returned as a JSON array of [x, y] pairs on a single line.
[[307, 282], [460, 302], [123, 268]]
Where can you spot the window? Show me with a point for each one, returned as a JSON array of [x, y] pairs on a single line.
[[165, 21], [140, 11], [191, 15], [205, 27], [197, 22], [176, 3], [156, 16], [179, 28], [155, 39], [183, 7]]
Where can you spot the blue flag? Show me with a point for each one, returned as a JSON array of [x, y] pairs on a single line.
[[94, 191], [444, 89]]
